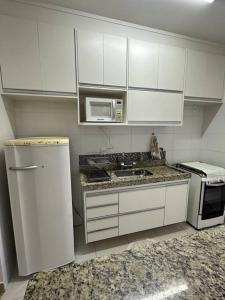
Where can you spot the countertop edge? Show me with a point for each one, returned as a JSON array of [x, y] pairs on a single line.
[[181, 175]]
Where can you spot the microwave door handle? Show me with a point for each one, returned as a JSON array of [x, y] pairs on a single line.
[[113, 110]]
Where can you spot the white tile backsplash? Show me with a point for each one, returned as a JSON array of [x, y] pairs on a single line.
[[55, 118], [46, 118], [213, 135]]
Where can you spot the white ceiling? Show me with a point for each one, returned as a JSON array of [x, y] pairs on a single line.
[[194, 18]]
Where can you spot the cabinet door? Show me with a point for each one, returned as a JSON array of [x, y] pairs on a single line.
[[171, 68], [102, 235], [141, 199], [115, 60], [215, 76], [102, 200], [205, 75], [155, 107], [57, 55], [141, 221], [143, 64], [90, 57], [176, 204], [196, 74], [20, 64]]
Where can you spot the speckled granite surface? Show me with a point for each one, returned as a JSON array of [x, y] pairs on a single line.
[[1, 289], [38, 141], [186, 268], [160, 174]]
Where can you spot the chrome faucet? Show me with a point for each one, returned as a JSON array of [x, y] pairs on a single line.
[[130, 165], [125, 165]]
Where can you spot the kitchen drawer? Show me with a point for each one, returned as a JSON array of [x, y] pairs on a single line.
[[102, 235], [142, 199], [99, 200], [141, 221], [102, 224], [102, 211]]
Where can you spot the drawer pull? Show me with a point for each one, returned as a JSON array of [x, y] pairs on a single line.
[[103, 205], [124, 214], [101, 218], [97, 230], [140, 211]]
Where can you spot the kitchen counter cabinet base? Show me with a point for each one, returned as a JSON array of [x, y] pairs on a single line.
[[132, 209]]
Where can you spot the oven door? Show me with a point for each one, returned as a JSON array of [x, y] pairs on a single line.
[[213, 200], [100, 110]]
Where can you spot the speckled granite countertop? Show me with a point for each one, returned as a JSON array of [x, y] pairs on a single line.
[[161, 173], [186, 268], [1, 289]]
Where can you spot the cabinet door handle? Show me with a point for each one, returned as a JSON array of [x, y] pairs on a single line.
[[103, 229], [103, 205], [23, 168]]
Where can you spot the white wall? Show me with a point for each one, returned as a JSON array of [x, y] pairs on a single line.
[[42, 118], [213, 138], [7, 253], [52, 118], [46, 118]]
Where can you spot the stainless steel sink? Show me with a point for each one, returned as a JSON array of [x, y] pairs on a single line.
[[130, 172]]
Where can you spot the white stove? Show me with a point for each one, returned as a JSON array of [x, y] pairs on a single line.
[[206, 194]]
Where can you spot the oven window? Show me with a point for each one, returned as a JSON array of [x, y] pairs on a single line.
[[213, 203], [99, 109]]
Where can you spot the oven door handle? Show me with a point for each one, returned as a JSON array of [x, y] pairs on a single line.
[[215, 184]]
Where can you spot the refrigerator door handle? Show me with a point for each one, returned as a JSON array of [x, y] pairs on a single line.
[[23, 168]]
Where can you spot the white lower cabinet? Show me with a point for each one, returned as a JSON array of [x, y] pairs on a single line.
[[96, 212], [101, 216], [102, 235], [112, 213], [176, 204], [101, 200], [139, 221], [142, 199], [102, 224]]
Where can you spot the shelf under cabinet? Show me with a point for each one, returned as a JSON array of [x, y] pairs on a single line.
[[101, 124], [40, 96], [202, 101]]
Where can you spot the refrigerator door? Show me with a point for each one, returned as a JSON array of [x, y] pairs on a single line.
[[41, 203]]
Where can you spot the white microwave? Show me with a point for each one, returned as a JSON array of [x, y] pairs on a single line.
[[103, 110]]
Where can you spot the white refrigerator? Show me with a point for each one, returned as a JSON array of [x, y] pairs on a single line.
[[39, 179]]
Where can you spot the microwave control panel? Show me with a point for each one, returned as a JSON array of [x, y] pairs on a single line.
[[119, 111]]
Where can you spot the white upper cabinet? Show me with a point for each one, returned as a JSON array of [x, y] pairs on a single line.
[[115, 60], [101, 59], [37, 57], [19, 54], [153, 107], [143, 64], [57, 56], [156, 66], [205, 75], [90, 57], [171, 68], [215, 76]]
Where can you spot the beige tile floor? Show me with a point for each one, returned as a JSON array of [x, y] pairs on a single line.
[[16, 288]]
